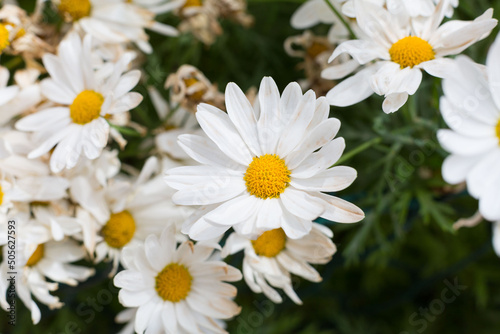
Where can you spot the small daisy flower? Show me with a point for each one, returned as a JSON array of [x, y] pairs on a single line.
[[396, 48], [130, 213], [271, 259], [176, 290], [471, 108], [23, 31], [189, 87], [315, 51], [113, 21], [40, 259], [259, 167], [78, 125]]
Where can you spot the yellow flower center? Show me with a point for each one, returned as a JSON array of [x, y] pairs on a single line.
[[316, 49], [497, 129], [411, 51], [198, 95], [86, 107], [36, 256], [4, 37], [192, 3], [1, 195], [267, 176], [75, 9], [270, 243], [119, 229], [173, 283]]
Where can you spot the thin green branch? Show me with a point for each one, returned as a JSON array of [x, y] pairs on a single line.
[[341, 18], [358, 150]]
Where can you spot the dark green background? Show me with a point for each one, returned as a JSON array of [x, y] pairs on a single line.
[[390, 267]]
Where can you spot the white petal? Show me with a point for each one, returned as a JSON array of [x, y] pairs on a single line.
[[321, 160], [298, 123], [221, 130], [311, 13], [456, 167], [363, 51], [319, 136], [215, 191], [205, 151], [493, 68], [468, 89], [185, 318], [293, 226], [439, 67], [488, 202], [339, 71], [463, 123], [483, 174], [301, 204], [43, 119], [393, 102], [462, 145], [233, 211], [270, 122], [135, 298], [339, 210], [334, 179], [169, 318], [353, 89], [496, 237], [241, 113]]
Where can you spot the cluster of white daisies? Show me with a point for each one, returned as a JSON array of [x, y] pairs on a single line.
[[262, 167]]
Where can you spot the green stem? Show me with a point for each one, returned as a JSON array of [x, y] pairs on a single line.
[[358, 150], [341, 17], [14, 62]]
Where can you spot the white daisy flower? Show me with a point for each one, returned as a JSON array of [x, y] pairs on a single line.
[[260, 170], [37, 260], [396, 48], [471, 108], [176, 290], [126, 213], [113, 21], [271, 259], [86, 97]]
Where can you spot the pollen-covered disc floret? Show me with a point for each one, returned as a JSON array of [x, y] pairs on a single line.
[[411, 51], [119, 229], [36, 256], [173, 283], [267, 176], [192, 3], [198, 95], [4, 37], [270, 243], [75, 9], [86, 107]]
